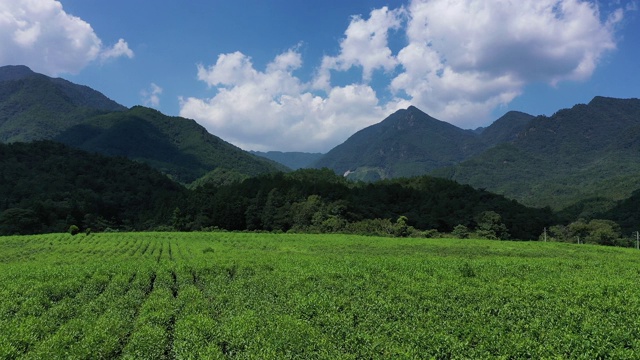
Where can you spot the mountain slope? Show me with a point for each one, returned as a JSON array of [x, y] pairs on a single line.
[[407, 143], [506, 128], [176, 146], [588, 151], [34, 106]]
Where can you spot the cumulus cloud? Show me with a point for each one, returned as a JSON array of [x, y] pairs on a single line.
[[465, 57], [273, 109], [151, 96], [40, 34], [461, 59], [121, 48], [365, 45]]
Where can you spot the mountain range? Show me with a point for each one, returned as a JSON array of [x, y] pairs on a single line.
[[36, 107], [579, 161], [585, 157]]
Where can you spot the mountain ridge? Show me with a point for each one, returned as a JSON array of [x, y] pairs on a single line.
[[588, 151], [36, 107], [579, 153], [377, 148]]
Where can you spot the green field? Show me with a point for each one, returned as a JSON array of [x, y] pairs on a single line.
[[263, 296]]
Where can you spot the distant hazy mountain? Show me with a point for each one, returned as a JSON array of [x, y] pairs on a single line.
[[35, 106], [292, 160], [588, 151], [407, 143]]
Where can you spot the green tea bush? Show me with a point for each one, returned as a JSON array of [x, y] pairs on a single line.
[[277, 296]]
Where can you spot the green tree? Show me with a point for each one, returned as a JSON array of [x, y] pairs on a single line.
[[178, 220], [560, 233], [307, 213], [490, 226], [578, 230], [603, 232], [460, 231], [401, 228]]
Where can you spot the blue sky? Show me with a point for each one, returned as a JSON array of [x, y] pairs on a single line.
[[305, 75]]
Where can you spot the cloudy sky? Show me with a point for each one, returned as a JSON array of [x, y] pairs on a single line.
[[304, 75]]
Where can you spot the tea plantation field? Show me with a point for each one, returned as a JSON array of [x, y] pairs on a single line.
[[268, 296]]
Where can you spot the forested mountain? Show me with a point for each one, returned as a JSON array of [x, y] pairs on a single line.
[[176, 146], [588, 151], [292, 160], [407, 143], [506, 128], [579, 158], [35, 106]]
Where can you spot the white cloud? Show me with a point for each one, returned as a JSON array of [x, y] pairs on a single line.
[[41, 35], [121, 48], [365, 45], [151, 96], [465, 57], [461, 60], [273, 109]]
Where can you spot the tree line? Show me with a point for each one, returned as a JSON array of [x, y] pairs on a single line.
[[48, 187]]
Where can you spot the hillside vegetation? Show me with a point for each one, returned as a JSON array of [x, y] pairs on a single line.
[[176, 146], [569, 160], [407, 143], [36, 107], [588, 151], [582, 163]]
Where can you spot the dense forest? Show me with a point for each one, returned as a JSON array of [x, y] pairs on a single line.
[[47, 187]]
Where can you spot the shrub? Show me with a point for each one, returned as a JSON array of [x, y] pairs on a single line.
[[73, 229], [460, 231]]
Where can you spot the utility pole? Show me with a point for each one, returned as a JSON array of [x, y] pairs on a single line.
[[637, 240], [545, 234]]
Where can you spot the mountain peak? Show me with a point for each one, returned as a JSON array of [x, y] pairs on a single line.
[[406, 143], [506, 128], [14, 72], [411, 116]]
